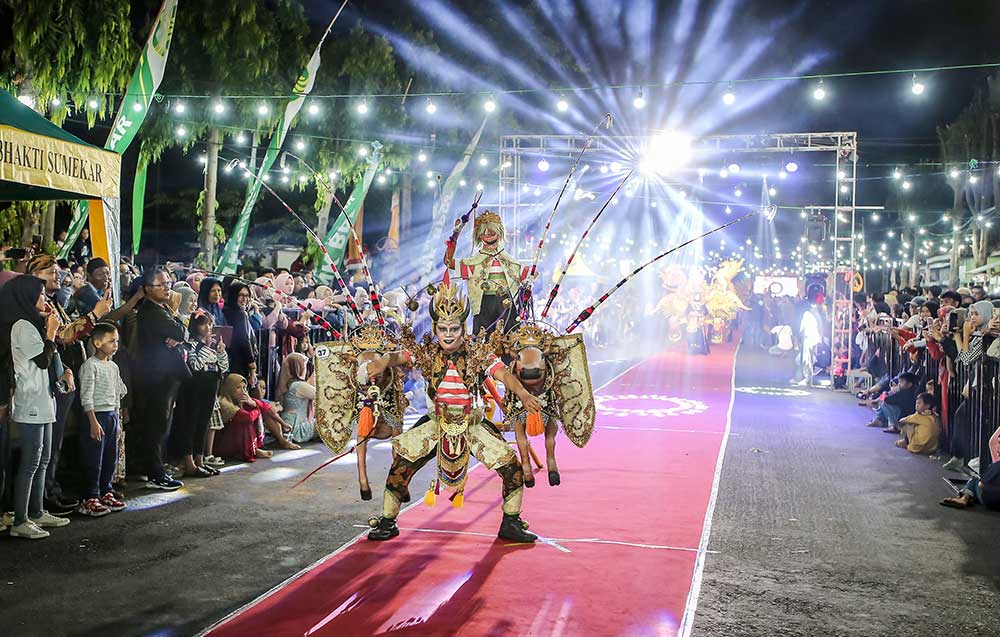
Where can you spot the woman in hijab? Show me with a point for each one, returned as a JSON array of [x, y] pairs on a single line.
[[244, 346], [194, 280], [242, 437], [296, 394], [27, 329], [210, 298], [188, 301]]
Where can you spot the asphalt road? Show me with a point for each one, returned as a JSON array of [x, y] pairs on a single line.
[[824, 527]]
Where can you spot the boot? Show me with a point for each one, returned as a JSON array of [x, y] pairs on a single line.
[[513, 528], [382, 529]]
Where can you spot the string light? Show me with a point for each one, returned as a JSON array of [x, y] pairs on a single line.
[[362, 107], [313, 109], [729, 97], [219, 108], [56, 102], [181, 131], [483, 161], [92, 104], [917, 87], [263, 109], [179, 107], [363, 151], [907, 185], [819, 93], [543, 165], [639, 102], [137, 107], [422, 157], [431, 107], [489, 105], [241, 138]]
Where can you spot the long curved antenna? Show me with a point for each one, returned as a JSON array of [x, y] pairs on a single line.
[[584, 315], [236, 163], [555, 288]]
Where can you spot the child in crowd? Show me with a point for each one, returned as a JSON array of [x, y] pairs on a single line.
[[922, 429], [898, 403], [101, 393]]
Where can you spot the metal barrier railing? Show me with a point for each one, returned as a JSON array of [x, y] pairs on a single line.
[[973, 405]]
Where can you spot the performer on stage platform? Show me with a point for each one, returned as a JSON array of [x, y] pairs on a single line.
[[493, 275], [454, 367]]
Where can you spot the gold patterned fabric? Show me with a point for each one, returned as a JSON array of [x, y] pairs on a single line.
[[573, 389], [337, 394]]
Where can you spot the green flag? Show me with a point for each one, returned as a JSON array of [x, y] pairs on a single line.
[[230, 256], [340, 230], [132, 112], [138, 201]]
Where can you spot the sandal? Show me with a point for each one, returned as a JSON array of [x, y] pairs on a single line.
[[199, 472], [214, 461], [211, 470]]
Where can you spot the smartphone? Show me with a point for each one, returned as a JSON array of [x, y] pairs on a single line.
[[36, 240], [956, 318], [15, 253]]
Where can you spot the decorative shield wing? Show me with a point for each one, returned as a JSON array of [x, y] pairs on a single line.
[[336, 393], [573, 389]]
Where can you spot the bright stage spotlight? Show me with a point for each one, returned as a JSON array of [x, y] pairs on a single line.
[[616, 167], [918, 86], [562, 105], [729, 97], [791, 166], [666, 152], [543, 165], [734, 168], [782, 174], [431, 107], [489, 105], [723, 173]]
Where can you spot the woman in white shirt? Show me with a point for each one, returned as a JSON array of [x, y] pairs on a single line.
[[27, 328]]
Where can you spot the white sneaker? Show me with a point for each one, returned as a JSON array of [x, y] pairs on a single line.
[[47, 520], [28, 530]]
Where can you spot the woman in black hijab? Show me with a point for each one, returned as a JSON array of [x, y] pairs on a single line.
[[243, 351]]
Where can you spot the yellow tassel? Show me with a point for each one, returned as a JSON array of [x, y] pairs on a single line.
[[430, 497], [458, 501], [535, 426], [366, 422]]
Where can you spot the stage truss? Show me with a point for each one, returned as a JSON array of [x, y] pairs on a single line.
[[516, 150]]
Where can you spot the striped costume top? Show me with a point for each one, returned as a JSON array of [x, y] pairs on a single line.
[[452, 392]]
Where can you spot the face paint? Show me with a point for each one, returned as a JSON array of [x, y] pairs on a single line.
[[449, 335]]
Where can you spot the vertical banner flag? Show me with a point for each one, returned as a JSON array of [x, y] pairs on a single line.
[[138, 201], [132, 111], [392, 239], [337, 238], [230, 256]]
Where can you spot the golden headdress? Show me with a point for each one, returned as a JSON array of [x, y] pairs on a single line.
[[372, 338], [530, 335], [449, 305]]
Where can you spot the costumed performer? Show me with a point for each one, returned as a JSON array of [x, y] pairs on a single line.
[[454, 367], [493, 275]]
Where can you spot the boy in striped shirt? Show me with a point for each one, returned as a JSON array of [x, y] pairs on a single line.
[[101, 392]]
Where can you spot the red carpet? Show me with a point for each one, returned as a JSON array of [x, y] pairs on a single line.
[[622, 533]]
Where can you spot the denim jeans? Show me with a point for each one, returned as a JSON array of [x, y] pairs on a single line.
[[64, 406], [890, 414], [36, 444], [972, 488], [99, 457]]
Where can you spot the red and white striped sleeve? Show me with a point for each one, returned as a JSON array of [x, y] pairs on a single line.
[[465, 270], [495, 367]]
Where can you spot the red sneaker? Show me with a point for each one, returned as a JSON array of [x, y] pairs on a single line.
[[112, 503], [93, 508]]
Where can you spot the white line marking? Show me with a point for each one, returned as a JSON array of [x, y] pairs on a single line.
[[554, 541], [691, 606]]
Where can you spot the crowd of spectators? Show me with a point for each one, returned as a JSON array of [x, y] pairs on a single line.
[[929, 356], [185, 373]]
